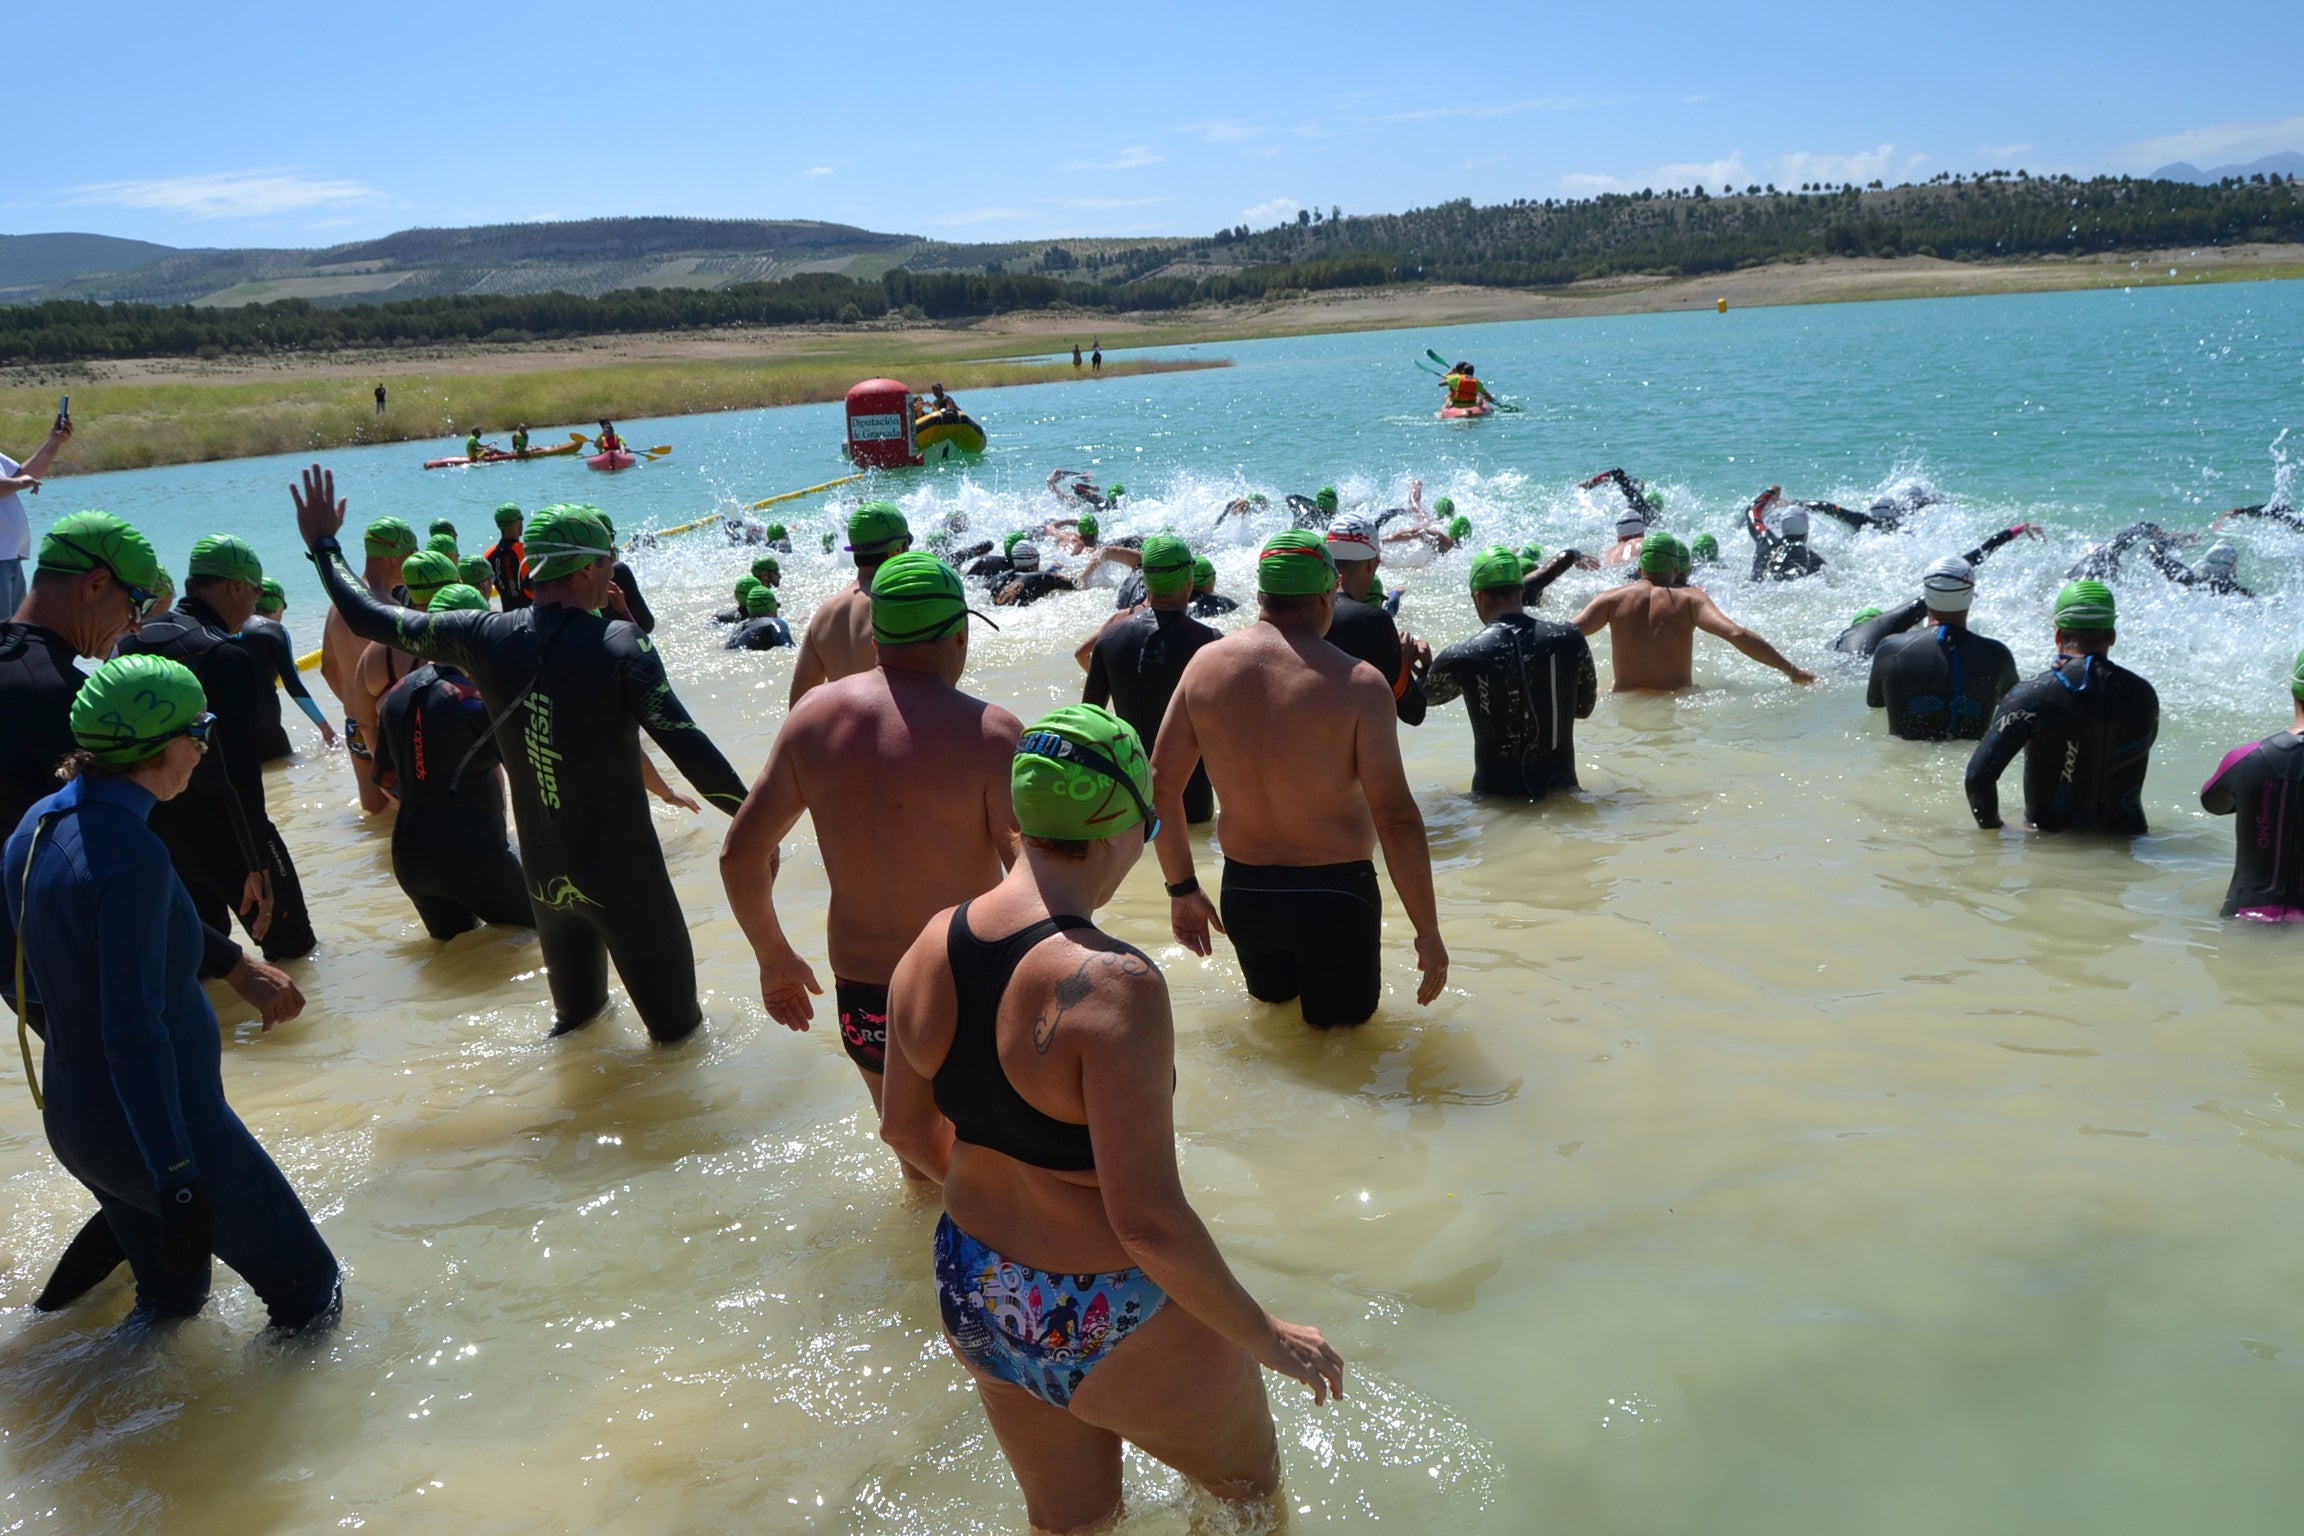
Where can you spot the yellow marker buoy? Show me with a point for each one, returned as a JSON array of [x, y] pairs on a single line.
[[1723, 306]]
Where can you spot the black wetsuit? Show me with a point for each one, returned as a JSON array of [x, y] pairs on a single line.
[[634, 602], [1940, 682], [1305, 513], [763, 633], [1135, 668], [1533, 585], [1131, 592], [1021, 589], [990, 569], [2085, 727], [275, 653], [1366, 631], [218, 830], [570, 692], [1777, 558], [2103, 562], [2184, 576], [449, 848], [1865, 638], [2277, 511], [511, 579], [1523, 680], [1887, 521], [2263, 784], [1209, 605]]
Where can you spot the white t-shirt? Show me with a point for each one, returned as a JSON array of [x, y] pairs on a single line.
[[15, 522]]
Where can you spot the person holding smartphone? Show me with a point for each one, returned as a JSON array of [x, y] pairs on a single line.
[[15, 519]]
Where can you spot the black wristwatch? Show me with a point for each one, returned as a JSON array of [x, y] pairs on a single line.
[[1188, 886], [327, 546]]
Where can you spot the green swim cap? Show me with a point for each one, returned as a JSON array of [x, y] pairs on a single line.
[[1326, 500], [443, 544], [775, 531], [562, 540], [89, 541], [1531, 555], [227, 558], [1662, 555], [1654, 499], [765, 567], [1203, 573], [1444, 507], [441, 525], [760, 601], [163, 585], [457, 595], [1705, 547], [131, 706], [917, 598], [1067, 777], [830, 539], [877, 528], [1460, 529], [1089, 527], [1496, 567], [2086, 605], [426, 572], [1295, 563], [1008, 544], [1167, 565], [507, 514], [272, 597], [1864, 616], [744, 586], [2296, 676], [388, 536], [1115, 492], [475, 572]]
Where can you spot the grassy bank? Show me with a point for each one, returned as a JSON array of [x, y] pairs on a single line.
[[139, 424]]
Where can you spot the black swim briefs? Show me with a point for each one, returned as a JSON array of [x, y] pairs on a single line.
[[1308, 931], [863, 1023]]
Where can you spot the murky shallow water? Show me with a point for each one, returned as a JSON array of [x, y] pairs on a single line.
[[1785, 1154]]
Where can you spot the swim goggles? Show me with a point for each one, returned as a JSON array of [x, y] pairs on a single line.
[[1049, 744], [137, 595], [199, 728]]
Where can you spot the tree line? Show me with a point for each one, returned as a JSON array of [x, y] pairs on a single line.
[[1526, 243]]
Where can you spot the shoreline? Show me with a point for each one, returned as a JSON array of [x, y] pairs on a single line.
[[146, 413]]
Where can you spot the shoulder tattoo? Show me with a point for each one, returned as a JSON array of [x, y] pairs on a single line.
[[1078, 987]]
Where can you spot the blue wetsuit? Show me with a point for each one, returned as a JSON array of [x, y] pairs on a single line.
[[133, 1067]]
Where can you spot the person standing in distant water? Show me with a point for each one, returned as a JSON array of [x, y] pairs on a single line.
[[15, 521], [1075, 354], [1653, 624], [2085, 726], [506, 558], [1524, 681], [838, 641], [379, 399], [1300, 742], [2264, 785], [275, 652], [1096, 358]]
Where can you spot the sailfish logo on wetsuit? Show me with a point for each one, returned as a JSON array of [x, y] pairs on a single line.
[[542, 755], [561, 894]]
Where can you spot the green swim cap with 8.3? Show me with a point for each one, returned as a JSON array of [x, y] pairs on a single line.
[[132, 706], [760, 602], [388, 536], [1295, 563], [455, 596], [271, 596], [1662, 555], [1167, 565], [2086, 605], [917, 598], [94, 541], [562, 540], [877, 528], [426, 573], [225, 558], [1080, 774], [507, 514], [1495, 567]]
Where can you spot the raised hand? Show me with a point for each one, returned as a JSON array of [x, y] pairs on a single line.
[[319, 515]]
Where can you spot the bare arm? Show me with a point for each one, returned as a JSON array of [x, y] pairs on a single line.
[[1004, 731], [749, 860], [808, 666], [1596, 614], [1712, 621], [1175, 753], [37, 465], [1399, 828], [920, 990]]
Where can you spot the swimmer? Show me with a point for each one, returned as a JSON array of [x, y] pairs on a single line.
[[1135, 663], [442, 528], [1080, 489], [475, 572], [225, 847], [575, 689], [1653, 623], [742, 611], [2085, 726], [268, 640], [1523, 680], [625, 599], [762, 629], [1442, 531], [388, 543], [1315, 511], [1703, 550], [2218, 575], [1945, 680], [1241, 507], [2101, 562], [1887, 513], [1541, 573], [1302, 746], [2267, 778], [838, 640], [1364, 629], [1025, 583], [1631, 528], [1031, 1070], [1780, 553], [435, 752], [381, 666], [109, 945], [1871, 628], [906, 779], [989, 567], [1643, 509], [1207, 602], [505, 559], [2277, 511]]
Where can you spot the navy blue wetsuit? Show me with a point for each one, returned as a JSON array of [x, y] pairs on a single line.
[[2086, 728], [1940, 682], [449, 849], [570, 693], [133, 1065], [2263, 785], [1523, 680]]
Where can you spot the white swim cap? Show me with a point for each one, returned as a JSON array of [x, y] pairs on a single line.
[[1351, 537], [2221, 559], [1632, 525], [1793, 524], [1949, 585], [1025, 557]]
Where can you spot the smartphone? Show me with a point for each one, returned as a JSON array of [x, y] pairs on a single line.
[[64, 409]]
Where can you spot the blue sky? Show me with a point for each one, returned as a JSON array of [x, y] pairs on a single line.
[[315, 124]]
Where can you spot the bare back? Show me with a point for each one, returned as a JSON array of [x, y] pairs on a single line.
[[1653, 632], [838, 642], [906, 778], [1278, 716]]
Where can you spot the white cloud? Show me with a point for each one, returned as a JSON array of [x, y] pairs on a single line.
[[1135, 157], [1865, 165], [1686, 173], [817, 170], [1490, 109], [1224, 132], [2001, 151], [226, 194], [1109, 202], [984, 216], [2219, 143], [1278, 211]]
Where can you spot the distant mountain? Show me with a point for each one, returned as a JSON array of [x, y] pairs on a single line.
[[36, 261], [2286, 163], [590, 257]]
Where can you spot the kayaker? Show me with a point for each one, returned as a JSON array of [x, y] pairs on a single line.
[[520, 441], [1465, 391], [475, 451], [609, 442]]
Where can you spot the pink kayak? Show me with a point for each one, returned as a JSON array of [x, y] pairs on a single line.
[[620, 459], [1462, 412]]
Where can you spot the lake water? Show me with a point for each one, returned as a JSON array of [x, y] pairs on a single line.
[[1786, 1154]]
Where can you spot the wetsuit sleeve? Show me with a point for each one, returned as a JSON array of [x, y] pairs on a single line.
[[2169, 566], [2218, 797], [2276, 514], [432, 636], [1976, 555], [634, 602], [2011, 730], [1533, 584], [218, 953], [1444, 684], [1412, 705], [1865, 639], [1098, 689], [649, 697], [1848, 515], [132, 988]]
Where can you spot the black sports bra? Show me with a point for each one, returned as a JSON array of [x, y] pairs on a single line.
[[972, 1088]]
